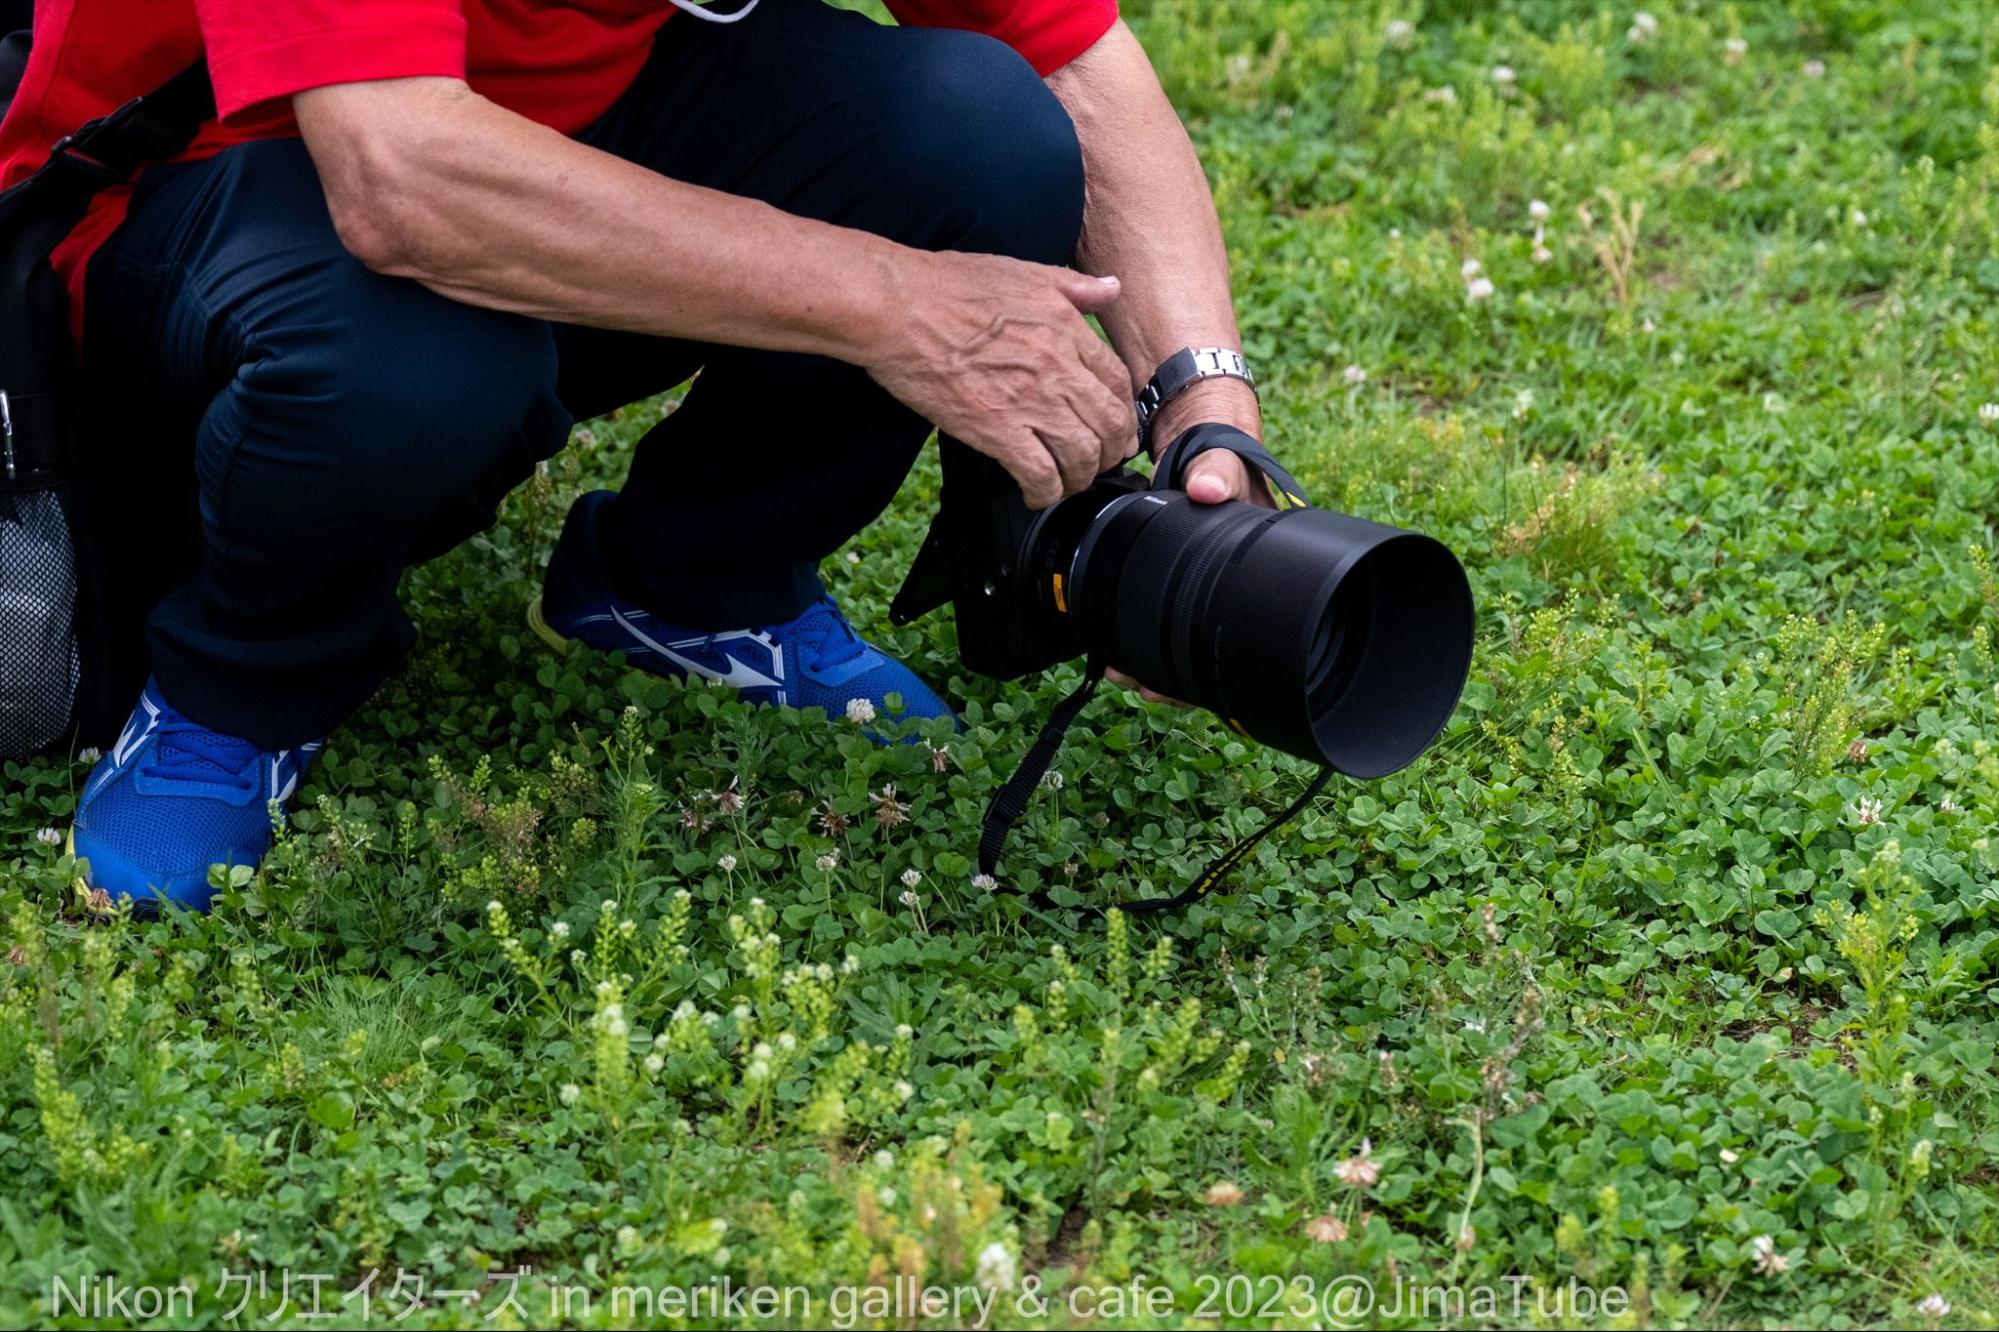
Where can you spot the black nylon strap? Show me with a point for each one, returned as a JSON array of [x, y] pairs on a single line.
[[107, 150], [1170, 469], [1011, 802]]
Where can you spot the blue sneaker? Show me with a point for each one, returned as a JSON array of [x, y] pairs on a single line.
[[173, 798], [814, 661]]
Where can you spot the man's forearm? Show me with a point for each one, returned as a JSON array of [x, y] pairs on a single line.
[[1150, 220], [496, 211]]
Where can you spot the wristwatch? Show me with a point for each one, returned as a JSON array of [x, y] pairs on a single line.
[[1182, 370]]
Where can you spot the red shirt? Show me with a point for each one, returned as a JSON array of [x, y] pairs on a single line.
[[559, 62]]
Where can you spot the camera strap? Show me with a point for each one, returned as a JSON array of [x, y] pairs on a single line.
[[1012, 799]]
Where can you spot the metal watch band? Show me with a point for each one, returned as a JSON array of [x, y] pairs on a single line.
[[1182, 369]]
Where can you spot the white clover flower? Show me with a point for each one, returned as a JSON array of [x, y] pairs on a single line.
[[1768, 1261], [853, 557], [577, 957], [1361, 1170], [758, 1071], [1815, 69], [1354, 375], [1442, 96], [762, 1050], [1470, 269], [559, 931], [610, 906], [1946, 806], [727, 864], [1988, 413], [1504, 76], [1643, 27], [89, 754], [655, 1062], [903, 1091], [1479, 289], [570, 1093], [850, 964], [1728, 1157], [741, 1013], [904, 1032], [1538, 211], [1733, 50], [911, 877], [53, 837], [985, 883], [860, 711], [786, 1041], [1400, 34], [1933, 1306], [1858, 218], [995, 1268], [886, 1195], [628, 1237], [909, 898], [1864, 812], [1542, 254], [828, 862]]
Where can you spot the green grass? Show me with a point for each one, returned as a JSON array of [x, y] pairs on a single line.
[[1680, 938]]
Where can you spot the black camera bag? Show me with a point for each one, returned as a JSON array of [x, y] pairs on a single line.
[[68, 673]]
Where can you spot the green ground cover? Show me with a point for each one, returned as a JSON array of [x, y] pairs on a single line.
[[1668, 971]]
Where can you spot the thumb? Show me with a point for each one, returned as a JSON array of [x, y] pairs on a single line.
[[1210, 479], [1091, 295]]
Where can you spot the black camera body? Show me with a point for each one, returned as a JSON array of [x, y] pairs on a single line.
[[1321, 634], [982, 556]]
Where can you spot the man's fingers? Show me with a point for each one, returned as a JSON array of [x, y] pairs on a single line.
[[1219, 475], [1118, 677], [1115, 417], [1074, 449], [1091, 295], [1034, 470]]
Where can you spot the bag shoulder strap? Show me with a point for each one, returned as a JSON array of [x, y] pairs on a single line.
[[106, 151]]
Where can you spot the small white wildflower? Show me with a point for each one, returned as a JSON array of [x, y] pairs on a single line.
[[1988, 413], [577, 957], [628, 1237], [53, 837], [860, 711], [787, 1042], [1763, 1249], [985, 883], [559, 931], [1360, 1170], [1815, 69], [1400, 34], [1443, 96], [1865, 812], [1728, 1157], [758, 1070], [909, 898], [610, 906], [1858, 218], [1538, 211], [903, 1091], [828, 862], [1733, 50], [903, 1031], [727, 864], [89, 754], [995, 1268], [850, 964], [1542, 254], [1946, 806], [741, 1013], [1503, 75], [853, 557], [570, 1093], [655, 1062], [1354, 376], [911, 877], [886, 1195], [1643, 27], [1933, 1306], [1470, 269], [1479, 289]]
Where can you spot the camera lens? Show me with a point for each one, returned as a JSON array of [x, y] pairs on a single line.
[[1324, 635]]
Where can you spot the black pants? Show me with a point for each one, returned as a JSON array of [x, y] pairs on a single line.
[[344, 425]]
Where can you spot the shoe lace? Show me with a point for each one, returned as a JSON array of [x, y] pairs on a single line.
[[187, 751], [825, 631]]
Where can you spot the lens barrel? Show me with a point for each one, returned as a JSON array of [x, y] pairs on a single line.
[[1324, 635]]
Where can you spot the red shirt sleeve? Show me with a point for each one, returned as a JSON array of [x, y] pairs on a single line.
[[1050, 33], [261, 50]]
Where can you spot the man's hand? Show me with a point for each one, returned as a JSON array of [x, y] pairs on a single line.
[[996, 353]]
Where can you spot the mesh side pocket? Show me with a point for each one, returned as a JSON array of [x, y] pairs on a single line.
[[40, 665]]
